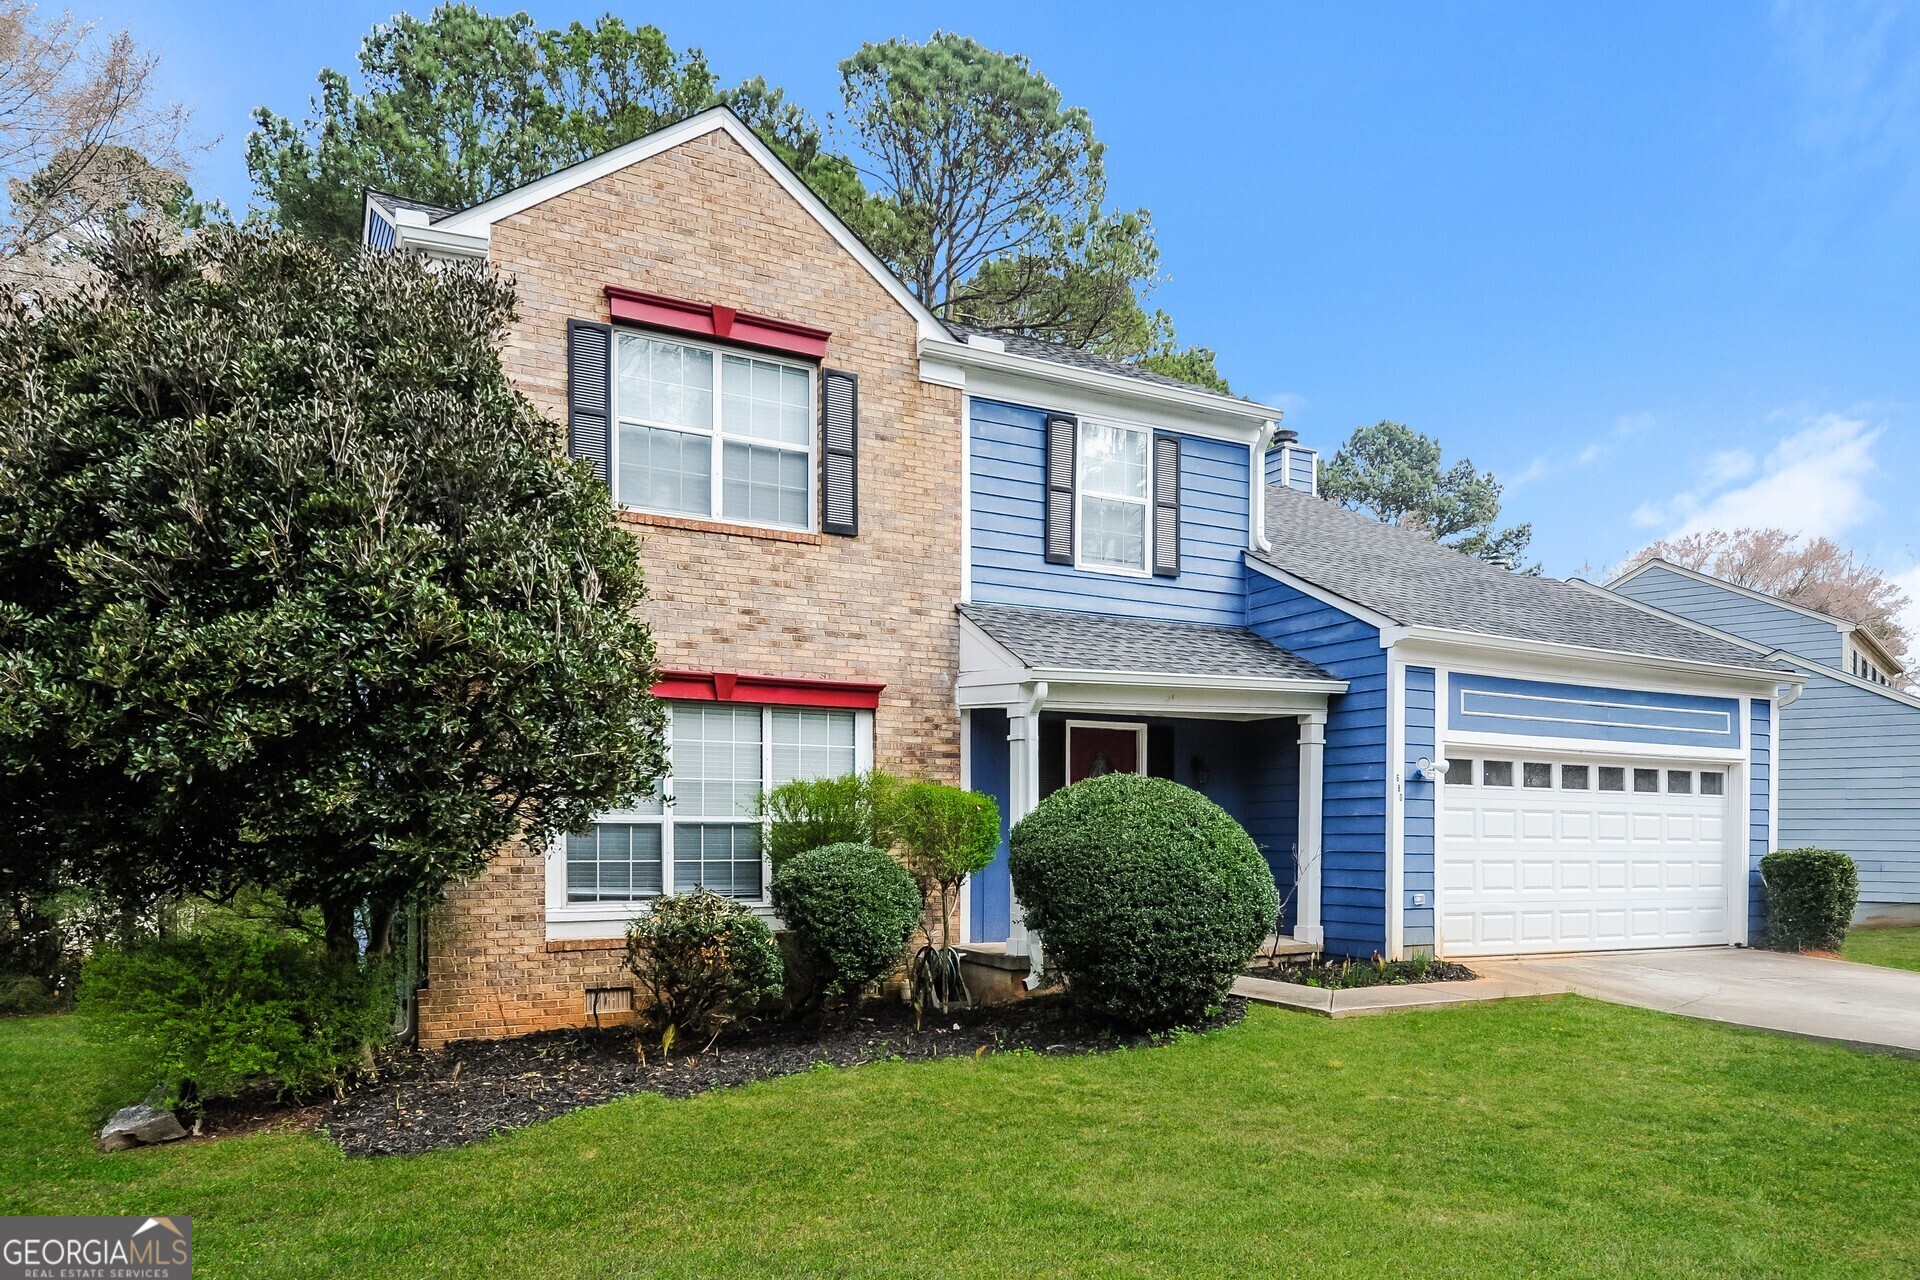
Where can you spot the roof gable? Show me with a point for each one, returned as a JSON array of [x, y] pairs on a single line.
[[1708, 579], [478, 220]]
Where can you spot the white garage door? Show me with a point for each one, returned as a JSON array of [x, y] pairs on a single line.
[[1581, 854]]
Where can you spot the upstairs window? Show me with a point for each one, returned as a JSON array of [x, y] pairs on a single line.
[[1112, 482], [703, 432]]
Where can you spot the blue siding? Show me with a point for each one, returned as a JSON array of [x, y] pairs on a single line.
[[992, 889], [379, 232], [1772, 625], [1418, 816], [1300, 474], [1492, 704], [1009, 565], [1353, 835], [1850, 780], [1759, 818]]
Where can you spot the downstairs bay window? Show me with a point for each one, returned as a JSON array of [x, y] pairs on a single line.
[[701, 830]]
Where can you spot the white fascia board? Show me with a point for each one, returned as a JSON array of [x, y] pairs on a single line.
[[1388, 626], [1813, 668], [1001, 375], [1571, 661], [1162, 680], [1736, 588], [481, 217], [437, 242]]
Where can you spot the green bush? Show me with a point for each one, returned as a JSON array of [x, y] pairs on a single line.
[[211, 1012], [700, 956], [853, 908], [811, 813], [1811, 894], [1149, 898], [22, 993]]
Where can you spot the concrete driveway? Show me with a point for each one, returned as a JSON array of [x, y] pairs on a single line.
[[1855, 1004]]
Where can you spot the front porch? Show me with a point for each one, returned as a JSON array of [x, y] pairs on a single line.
[[1048, 698]]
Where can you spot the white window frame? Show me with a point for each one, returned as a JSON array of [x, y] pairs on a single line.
[[567, 920], [1081, 492], [716, 432], [1137, 727]]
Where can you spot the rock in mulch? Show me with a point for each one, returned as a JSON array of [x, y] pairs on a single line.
[[472, 1090], [140, 1126]]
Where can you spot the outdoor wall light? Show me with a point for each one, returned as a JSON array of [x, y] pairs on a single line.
[[1426, 770]]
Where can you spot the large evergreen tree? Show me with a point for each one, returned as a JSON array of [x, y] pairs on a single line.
[[1394, 474], [294, 588]]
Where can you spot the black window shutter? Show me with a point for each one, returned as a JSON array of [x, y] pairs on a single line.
[[590, 393], [1062, 440], [839, 453], [1166, 506]]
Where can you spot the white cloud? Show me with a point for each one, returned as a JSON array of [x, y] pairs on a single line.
[[1627, 426], [1812, 483]]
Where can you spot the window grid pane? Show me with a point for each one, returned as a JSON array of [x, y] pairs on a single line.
[[1679, 782], [761, 400], [1113, 461], [1713, 784], [763, 485], [1646, 781], [665, 382], [716, 762], [664, 470], [1113, 532], [1459, 773], [1536, 775], [811, 744], [1612, 778], [1573, 777], [1496, 773], [614, 862], [723, 857]]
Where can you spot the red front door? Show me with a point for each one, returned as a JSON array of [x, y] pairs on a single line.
[[1093, 751]]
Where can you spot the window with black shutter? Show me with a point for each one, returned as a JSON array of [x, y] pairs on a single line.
[[1166, 506], [839, 452], [1062, 433], [590, 393]]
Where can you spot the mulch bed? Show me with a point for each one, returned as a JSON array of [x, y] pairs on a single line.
[[475, 1089], [1343, 975]]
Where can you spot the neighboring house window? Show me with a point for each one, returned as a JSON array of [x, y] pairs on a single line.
[[1114, 466], [702, 830], [704, 432]]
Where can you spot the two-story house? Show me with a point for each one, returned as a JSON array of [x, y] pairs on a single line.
[[874, 538], [1850, 746]]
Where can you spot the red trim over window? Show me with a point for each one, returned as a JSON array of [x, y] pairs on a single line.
[[779, 691], [711, 320]]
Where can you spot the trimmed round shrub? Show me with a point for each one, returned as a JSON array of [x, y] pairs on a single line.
[[853, 908], [1149, 898], [698, 955], [209, 1013], [1811, 894]]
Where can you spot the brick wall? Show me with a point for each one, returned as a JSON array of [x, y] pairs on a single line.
[[704, 221]]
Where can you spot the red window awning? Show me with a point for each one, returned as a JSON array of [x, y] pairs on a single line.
[[711, 320], [779, 691]]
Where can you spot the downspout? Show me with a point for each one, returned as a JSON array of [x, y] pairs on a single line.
[[1259, 503]]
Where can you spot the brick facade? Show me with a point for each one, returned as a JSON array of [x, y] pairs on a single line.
[[704, 221]]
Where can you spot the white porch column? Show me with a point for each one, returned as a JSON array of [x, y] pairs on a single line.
[[1023, 760], [1313, 751]]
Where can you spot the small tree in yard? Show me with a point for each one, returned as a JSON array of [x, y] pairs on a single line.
[[294, 590], [944, 834]]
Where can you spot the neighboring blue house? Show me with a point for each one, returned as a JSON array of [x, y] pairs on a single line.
[[1849, 746], [1435, 754]]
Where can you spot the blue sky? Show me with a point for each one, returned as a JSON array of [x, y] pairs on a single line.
[[1657, 266]]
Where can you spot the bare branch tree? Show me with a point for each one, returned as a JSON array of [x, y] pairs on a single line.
[[82, 136]]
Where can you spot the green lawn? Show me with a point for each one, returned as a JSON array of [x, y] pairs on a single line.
[[1529, 1138], [1894, 948]]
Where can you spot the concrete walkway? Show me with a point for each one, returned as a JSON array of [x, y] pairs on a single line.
[[1861, 1005]]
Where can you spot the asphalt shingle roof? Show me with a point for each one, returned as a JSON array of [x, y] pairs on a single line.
[[389, 202], [1056, 353], [1415, 582], [1059, 640]]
